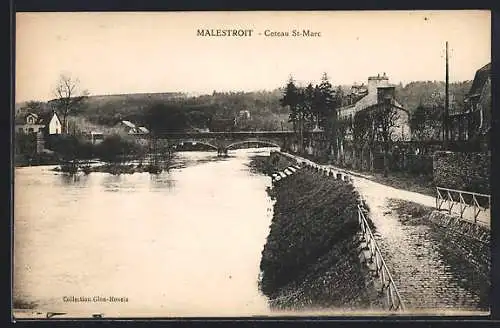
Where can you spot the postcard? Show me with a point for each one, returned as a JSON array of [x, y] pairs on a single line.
[[251, 164]]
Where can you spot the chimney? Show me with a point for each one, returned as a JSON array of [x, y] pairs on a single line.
[[377, 81]]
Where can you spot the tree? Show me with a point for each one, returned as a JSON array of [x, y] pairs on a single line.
[[164, 118], [426, 123], [363, 135], [343, 126], [291, 100], [68, 97], [385, 117], [328, 112], [115, 149], [326, 102]]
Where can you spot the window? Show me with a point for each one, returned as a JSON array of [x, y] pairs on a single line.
[[40, 129], [30, 130]]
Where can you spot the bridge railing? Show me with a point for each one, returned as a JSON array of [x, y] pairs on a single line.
[[464, 199], [392, 297]]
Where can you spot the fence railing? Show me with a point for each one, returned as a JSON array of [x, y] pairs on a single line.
[[465, 199], [393, 298]]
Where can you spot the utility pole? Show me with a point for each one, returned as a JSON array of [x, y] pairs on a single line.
[[446, 104]]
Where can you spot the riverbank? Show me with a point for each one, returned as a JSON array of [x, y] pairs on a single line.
[[311, 258]]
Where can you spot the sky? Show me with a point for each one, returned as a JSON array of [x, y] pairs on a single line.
[[115, 53]]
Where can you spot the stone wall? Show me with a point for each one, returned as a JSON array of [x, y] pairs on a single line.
[[462, 171], [469, 240]]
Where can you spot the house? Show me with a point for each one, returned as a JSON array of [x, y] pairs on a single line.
[[96, 137], [474, 121], [127, 126], [130, 128], [244, 115], [48, 123], [142, 130], [369, 97]]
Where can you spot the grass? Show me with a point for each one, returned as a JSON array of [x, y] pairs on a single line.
[[310, 259], [270, 164], [410, 212], [410, 208], [422, 184]]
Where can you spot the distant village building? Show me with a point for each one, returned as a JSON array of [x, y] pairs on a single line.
[[131, 128], [244, 115], [45, 124], [368, 97], [96, 137], [474, 121]]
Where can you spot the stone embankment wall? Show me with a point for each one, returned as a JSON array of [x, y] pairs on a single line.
[[470, 241]]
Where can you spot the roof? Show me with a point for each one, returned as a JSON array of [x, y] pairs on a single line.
[[128, 123], [482, 75], [41, 119], [46, 117], [370, 100]]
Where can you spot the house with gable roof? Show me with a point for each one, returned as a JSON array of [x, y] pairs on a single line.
[[47, 124], [368, 97], [474, 121]]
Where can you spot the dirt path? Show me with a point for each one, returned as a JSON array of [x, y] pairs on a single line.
[[368, 187], [426, 279]]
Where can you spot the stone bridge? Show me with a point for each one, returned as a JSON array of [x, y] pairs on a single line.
[[223, 141]]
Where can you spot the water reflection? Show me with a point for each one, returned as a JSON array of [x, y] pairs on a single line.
[[162, 181], [182, 243]]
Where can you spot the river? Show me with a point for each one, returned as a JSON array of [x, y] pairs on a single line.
[[183, 243]]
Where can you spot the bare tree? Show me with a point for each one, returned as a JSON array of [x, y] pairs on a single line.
[[364, 136], [69, 97]]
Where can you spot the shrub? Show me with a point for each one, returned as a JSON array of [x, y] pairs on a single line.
[[115, 149], [462, 171]]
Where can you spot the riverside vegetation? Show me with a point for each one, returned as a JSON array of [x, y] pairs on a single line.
[[310, 260]]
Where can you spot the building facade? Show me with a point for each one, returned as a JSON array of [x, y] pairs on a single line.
[[376, 92], [474, 121]]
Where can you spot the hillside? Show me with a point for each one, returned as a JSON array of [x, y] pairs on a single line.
[[430, 93], [264, 106]]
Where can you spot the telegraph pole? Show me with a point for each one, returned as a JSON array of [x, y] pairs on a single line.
[[446, 104]]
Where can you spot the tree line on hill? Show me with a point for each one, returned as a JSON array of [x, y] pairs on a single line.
[[424, 99]]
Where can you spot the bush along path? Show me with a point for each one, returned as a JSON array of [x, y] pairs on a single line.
[[311, 258], [434, 268]]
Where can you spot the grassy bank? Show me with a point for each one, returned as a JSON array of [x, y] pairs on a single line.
[[310, 260], [270, 164]]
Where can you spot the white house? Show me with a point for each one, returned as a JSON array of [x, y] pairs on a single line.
[[54, 126]]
